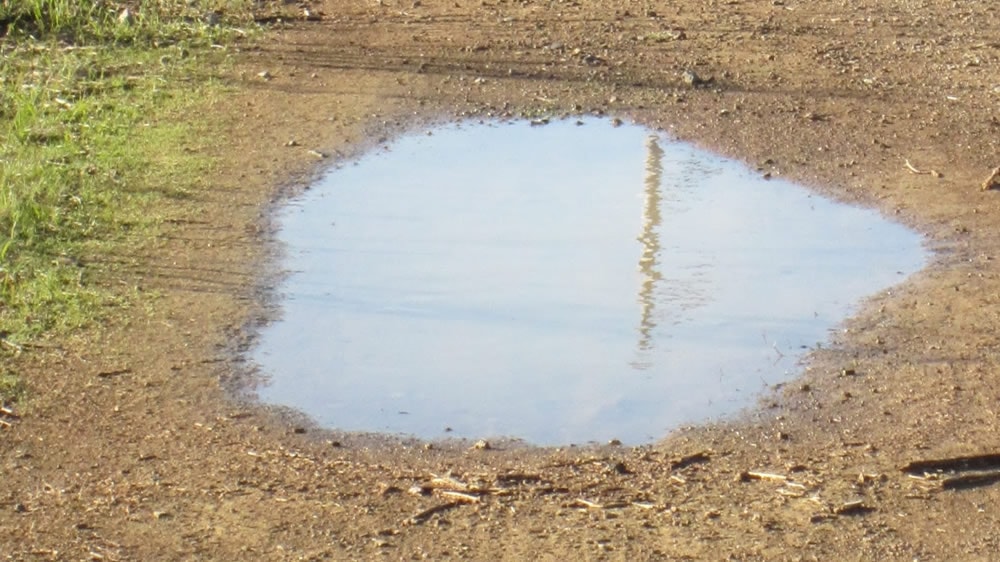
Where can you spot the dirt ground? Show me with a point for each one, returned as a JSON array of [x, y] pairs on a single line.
[[132, 448]]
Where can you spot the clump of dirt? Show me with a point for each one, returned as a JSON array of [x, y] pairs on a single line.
[[132, 448]]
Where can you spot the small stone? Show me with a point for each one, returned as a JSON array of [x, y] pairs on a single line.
[[126, 17], [691, 78], [482, 445], [620, 468], [265, 75], [615, 442]]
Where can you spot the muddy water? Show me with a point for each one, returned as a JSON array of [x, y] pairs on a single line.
[[564, 283]]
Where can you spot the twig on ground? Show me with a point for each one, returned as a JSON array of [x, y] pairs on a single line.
[[973, 480], [913, 169], [751, 475], [426, 514], [459, 496], [971, 462], [688, 460]]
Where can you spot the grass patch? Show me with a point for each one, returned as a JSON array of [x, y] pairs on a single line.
[[84, 88], [12, 388]]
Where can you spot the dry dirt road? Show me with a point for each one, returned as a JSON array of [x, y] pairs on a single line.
[[131, 448]]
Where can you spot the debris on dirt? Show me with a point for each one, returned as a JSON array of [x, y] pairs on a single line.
[[691, 78], [971, 462], [853, 507], [580, 502], [752, 475], [972, 471], [459, 496], [423, 516], [971, 480], [688, 460], [114, 373], [914, 170], [482, 445], [993, 181], [17, 348]]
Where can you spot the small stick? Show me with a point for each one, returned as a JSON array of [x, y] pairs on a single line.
[[973, 480], [971, 462], [459, 496], [911, 168], [4, 423], [426, 514], [580, 502], [688, 460], [114, 373], [9, 413], [447, 483], [750, 475]]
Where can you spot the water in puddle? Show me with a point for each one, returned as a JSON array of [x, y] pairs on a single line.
[[560, 284]]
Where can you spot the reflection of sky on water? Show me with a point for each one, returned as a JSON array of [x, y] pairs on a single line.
[[561, 284]]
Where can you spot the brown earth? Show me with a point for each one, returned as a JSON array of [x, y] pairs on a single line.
[[131, 449]]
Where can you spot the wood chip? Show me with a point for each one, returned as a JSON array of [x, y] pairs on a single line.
[[752, 475]]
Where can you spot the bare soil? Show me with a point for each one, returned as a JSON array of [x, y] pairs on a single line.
[[132, 447]]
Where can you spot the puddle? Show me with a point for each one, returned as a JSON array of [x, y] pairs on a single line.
[[561, 284]]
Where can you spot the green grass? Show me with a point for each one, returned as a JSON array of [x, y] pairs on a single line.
[[12, 388], [84, 95]]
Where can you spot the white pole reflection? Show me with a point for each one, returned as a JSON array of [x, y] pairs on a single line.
[[650, 239]]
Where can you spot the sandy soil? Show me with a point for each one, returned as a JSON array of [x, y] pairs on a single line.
[[131, 448]]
